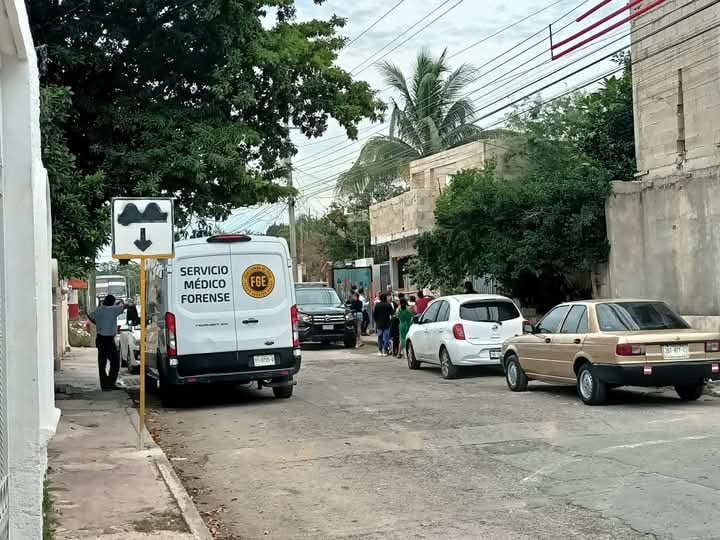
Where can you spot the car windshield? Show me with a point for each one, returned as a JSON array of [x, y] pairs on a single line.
[[624, 316], [488, 311], [317, 297]]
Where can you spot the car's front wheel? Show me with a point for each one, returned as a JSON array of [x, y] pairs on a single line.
[[515, 377], [690, 392], [591, 389], [411, 359], [448, 370], [349, 341]]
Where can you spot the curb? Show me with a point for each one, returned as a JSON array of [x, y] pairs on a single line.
[[189, 512]]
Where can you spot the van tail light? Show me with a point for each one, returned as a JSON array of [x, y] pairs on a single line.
[[459, 332], [629, 349], [712, 346], [294, 322], [171, 336]]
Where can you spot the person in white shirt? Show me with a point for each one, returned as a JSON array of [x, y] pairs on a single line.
[[365, 313]]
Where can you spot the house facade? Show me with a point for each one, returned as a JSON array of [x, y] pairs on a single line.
[[28, 416], [399, 221]]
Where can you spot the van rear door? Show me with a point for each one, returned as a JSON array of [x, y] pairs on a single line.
[[204, 310], [263, 295]]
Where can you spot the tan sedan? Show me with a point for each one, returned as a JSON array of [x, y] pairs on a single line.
[[604, 344]]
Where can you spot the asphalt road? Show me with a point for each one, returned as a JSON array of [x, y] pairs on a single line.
[[368, 449]]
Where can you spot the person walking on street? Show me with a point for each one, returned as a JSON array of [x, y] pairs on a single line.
[[105, 321], [405, 316], [422, 302], [365, 314], [468, 288], [382, 314], [356, 307], [395, 325]]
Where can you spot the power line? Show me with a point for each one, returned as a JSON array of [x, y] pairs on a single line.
[[373, 25], [419, 21], [535, 91], [541, 41], [656, 52]]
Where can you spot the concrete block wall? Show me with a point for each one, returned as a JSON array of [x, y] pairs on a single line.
[[656, 88], [665, 241]]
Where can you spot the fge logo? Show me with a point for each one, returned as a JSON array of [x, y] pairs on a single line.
[[258, 281]]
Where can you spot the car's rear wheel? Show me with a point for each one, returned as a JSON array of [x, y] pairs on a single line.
[[448, 370], [283, 392], [591, 390], [515, 377], [690, 392], [411, 359]]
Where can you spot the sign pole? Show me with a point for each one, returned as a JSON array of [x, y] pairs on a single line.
[[143, 320]]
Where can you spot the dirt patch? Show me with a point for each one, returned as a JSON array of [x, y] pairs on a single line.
[[161, 521]]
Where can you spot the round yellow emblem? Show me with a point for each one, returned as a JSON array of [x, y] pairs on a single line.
[[258, 281]]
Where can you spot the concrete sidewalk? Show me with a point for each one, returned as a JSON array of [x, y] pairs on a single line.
[[103, 486]]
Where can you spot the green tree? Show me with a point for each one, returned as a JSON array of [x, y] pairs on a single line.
[[540, 232], [431, 117], [79, 217], [189, 99]]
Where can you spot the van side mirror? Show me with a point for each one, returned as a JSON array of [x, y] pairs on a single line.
[[133, 318], [528, 328]]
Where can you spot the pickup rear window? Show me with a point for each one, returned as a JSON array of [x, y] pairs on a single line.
[[488, 311]]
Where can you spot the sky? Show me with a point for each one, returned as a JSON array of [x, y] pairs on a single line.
[[508, 70], [504, 79]]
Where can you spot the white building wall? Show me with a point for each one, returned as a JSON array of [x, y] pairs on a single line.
[[26, 232]]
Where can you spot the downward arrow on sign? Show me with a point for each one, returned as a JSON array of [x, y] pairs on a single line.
[[143, 243]]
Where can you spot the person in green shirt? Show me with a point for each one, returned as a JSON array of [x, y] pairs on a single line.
[[405, 317]]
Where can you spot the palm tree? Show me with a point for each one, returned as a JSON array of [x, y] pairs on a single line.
[[432, 117]]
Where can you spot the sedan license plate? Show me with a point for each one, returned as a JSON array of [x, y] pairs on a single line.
[[495, 354], [328, 327], [264, 360], [676, 352]]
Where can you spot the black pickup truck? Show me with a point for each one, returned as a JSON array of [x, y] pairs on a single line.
[[323, 317]]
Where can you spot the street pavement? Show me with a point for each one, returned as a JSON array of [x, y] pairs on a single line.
[[369, 449]]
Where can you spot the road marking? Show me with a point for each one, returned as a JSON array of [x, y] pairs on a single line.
[[652, 443], [548, 469]]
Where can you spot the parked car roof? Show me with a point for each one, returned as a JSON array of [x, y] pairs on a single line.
[[461, 298]]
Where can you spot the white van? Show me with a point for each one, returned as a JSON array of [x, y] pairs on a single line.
[[223, 310]]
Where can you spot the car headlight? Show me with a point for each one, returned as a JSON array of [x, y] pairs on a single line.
[[349, 316], [304, 317]]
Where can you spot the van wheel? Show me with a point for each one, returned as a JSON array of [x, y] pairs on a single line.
[[515, 377], [690, 392], [169, 395], [411, 359], [592, 391], [448, 370], [283, 392]]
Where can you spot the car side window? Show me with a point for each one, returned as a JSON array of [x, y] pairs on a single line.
[[576, 321], [443, 313], [431, 313], [551, 322]]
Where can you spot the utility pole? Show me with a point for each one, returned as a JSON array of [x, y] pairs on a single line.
[[291, 213]]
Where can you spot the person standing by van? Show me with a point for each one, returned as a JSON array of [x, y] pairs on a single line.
[[382, 314], [105, 321]]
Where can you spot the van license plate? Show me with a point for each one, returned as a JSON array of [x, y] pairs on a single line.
[[676, 352], [495, 354], [328, 327], [264, 360]]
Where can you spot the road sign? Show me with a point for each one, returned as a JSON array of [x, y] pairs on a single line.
[[142, 228]]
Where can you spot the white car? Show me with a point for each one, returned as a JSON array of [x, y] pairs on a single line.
[[127, 341], [463, 330]]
